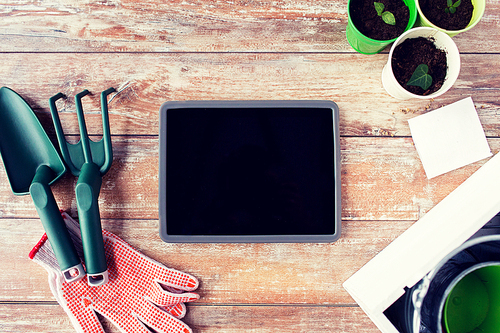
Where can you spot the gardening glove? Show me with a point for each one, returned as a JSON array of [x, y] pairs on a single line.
[[141, 293]]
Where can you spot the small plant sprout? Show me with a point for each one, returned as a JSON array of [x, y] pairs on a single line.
[[452, 6], [387, 17], [420, 77]]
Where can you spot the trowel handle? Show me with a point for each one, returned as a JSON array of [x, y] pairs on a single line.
[[87, 191], [54, 225]]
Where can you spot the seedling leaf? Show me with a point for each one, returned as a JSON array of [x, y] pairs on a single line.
[[379, 7], [420, 77], [388, 18], [452, 7]]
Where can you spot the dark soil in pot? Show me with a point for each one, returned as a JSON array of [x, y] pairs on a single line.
[[435, 11], [366, 19], [413, 52]]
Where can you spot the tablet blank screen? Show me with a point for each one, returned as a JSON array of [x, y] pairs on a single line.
[[250, 171]]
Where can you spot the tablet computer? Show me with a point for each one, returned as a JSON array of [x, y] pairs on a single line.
[[249, 171]]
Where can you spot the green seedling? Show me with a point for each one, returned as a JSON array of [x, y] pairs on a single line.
[[387, 17], [452, 7], [420, 77]]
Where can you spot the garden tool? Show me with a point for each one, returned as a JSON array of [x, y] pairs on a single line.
[[142, 296], [32, 164], [89, 161]]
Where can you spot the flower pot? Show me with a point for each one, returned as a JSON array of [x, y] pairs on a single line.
[[366, 45], [441, 41], [471, 273], [473, 301], [477, 14]]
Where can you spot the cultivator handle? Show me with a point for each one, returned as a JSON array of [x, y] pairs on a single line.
[[87, 191]]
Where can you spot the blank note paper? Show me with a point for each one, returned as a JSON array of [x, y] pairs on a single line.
[[449, 138]]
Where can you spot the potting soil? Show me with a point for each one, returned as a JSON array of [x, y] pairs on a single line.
[[366, 19], [435, 12], [413, 52]]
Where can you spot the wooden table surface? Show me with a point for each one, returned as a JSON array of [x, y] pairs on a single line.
[[157, 51]]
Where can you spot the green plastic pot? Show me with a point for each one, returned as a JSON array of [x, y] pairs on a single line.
[[473, 304], [477, 14], [366, 45]]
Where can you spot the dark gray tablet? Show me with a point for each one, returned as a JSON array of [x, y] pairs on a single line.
[[249, 171]]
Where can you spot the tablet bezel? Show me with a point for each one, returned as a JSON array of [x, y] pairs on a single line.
[[321, 238]]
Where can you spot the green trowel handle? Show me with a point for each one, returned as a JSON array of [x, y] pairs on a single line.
[[87, 191], [52, 222]]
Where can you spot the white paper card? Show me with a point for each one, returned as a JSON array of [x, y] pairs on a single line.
[[449, 138]]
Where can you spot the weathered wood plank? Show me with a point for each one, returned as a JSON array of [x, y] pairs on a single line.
[[279, 319], [228, 273], [352, 81], [206, 319], [196, 26], [382, 179]]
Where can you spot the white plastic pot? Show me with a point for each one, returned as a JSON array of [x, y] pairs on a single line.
[[442, 41]]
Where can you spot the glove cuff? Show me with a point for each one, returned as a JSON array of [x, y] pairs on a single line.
[[38, 246]]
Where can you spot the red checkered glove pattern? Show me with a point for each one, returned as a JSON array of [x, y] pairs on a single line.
[[141, 294]]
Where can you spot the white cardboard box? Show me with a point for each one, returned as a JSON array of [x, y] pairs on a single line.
[[405, 261]]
